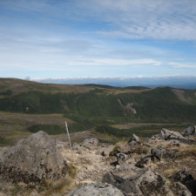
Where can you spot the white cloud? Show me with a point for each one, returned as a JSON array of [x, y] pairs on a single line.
[[88, 36], [118, 62], [135, 19], [142, 19], [182, 65]]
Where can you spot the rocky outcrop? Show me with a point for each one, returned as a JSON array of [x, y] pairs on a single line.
[[99, 189], [33, 160], [157, 153], [187, 179], [167, 134], [138, 182], [134, 140], [142, 166], [191, 130]]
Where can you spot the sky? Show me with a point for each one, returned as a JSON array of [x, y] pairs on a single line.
[[97, 38]]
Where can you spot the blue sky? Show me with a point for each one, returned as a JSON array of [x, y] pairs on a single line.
[[94, 38]]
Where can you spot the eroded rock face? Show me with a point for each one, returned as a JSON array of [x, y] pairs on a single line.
[[99, 189], [139, 182], [33, 160]]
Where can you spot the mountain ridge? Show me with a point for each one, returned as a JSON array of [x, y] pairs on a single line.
[[98, 102]]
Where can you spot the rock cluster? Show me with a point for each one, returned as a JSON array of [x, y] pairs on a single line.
[[138, 182], [103, 170]]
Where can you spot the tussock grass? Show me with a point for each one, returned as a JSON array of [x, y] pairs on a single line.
[[170, 171], [60, 187], [186, 151]]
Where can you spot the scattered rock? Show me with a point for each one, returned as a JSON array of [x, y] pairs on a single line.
[[181, 190], [185, 178], [103, 154], [40, 158], [33, 160], [175, 143], [134, 140], [99, 189], [115, 151], [143, 182], [182, 176], [166, 134], [90, 143], [191, 130], [121, 156], [157, 153], [144, 161]]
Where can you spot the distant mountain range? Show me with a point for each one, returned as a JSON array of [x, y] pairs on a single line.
[[174, 82]]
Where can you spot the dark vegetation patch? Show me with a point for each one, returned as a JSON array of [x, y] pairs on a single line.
[[50, 129], [53, 129], [4, 141], [144, 131]]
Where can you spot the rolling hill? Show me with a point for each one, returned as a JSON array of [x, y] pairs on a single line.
[[93, 107], [98, 102]]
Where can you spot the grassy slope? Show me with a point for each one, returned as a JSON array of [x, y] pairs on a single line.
[[91, 105], [161, 104]]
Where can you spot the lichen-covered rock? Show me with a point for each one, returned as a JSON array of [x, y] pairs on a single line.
[[99, 189], [167, 134], [191, 130], [134, 140], [33, 160], [144, 161], [185, 177], [158, 153], [139, 182]]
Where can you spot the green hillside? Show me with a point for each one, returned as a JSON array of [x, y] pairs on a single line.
[[99, 103], [106, 112]]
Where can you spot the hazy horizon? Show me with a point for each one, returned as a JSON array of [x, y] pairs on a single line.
[[176, 82]]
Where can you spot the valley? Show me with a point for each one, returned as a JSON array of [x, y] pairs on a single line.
[[27, 107]]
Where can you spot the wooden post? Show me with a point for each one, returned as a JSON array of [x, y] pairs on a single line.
[[68, 136]]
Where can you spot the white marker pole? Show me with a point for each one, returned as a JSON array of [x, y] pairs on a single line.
[[69, 139]]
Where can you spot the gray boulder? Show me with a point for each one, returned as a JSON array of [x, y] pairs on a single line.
[[185, 177], [191, 130], [157, 153], [99, 189], [167, 134], [34, 160], [144, 161], [134, 140]]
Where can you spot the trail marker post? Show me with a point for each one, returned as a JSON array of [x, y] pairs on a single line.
[[68, 136]]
